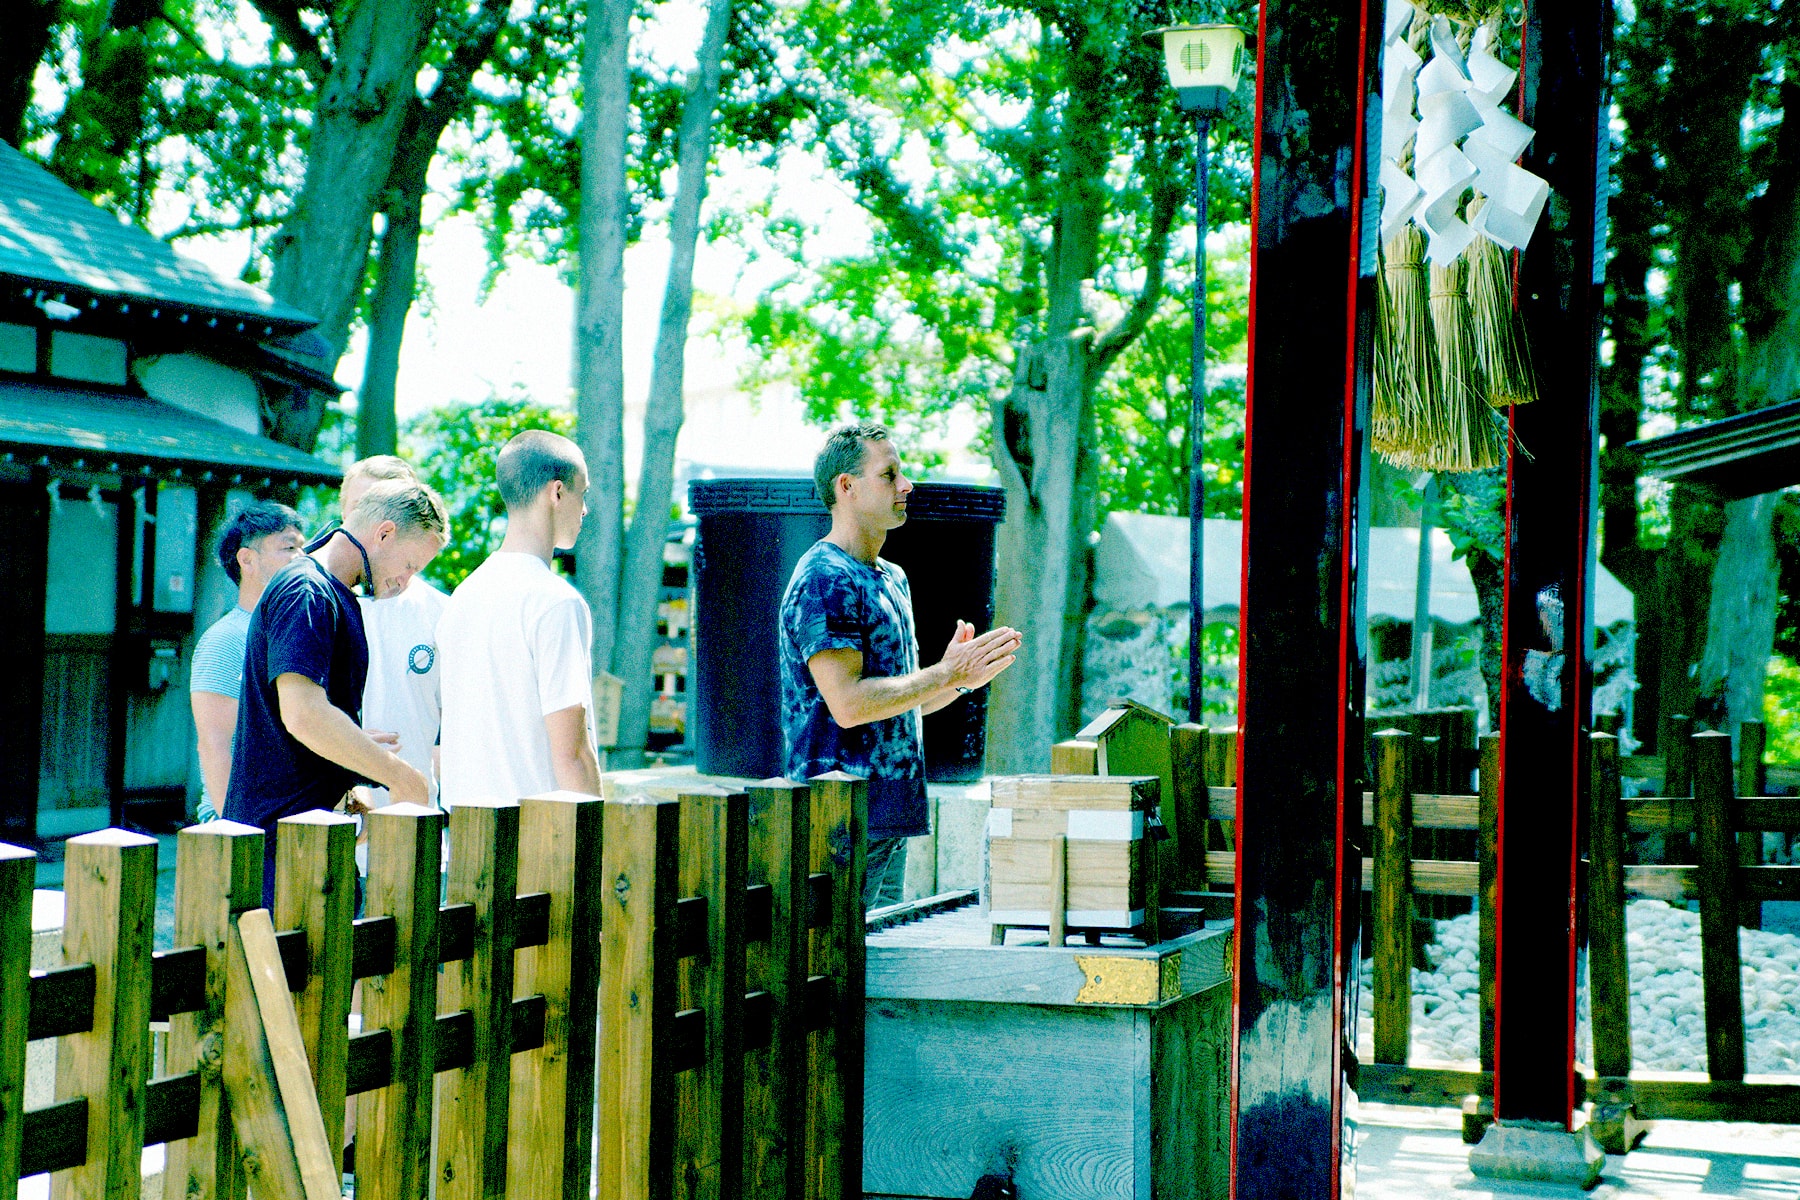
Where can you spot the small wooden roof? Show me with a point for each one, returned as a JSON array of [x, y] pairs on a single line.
[[1733, 457], [1116, 712]]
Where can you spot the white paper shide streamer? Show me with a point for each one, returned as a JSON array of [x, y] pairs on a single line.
[[1448, 108]]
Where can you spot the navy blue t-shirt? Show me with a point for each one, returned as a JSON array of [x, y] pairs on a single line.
[[836, 601], [307, 623]]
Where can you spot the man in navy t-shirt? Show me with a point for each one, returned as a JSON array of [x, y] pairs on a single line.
[[300, 745], [852, 693]]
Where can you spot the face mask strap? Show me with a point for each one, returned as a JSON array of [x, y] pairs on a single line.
[[368, 577]]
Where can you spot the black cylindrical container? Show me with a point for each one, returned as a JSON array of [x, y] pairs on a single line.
[[752, 532]]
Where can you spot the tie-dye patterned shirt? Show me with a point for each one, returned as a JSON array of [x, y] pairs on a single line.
[[836, 601]]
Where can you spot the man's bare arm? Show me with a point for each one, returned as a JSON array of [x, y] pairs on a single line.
[[571, 757], [215, 721], [970, 662], [308, 713]]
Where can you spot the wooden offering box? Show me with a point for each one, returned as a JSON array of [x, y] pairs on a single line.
[[1069, 850], [1083, 1072]]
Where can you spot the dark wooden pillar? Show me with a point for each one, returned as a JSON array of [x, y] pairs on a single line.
[[25, 551], [1551, 478], [1305, 528]]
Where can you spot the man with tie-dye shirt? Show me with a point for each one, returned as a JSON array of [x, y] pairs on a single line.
[[852, 692]]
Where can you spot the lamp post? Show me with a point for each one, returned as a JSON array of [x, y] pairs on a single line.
[[1204, 63]]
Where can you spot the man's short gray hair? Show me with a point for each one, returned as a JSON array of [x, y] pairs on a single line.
[[532, 461], [843, 454], [412, 506]]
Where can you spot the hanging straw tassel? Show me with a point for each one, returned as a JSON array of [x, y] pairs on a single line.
[[1500, 343], [1406, 419], [1470, 437]]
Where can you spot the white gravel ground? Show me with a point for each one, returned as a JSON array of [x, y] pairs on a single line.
[[1668, 1031]]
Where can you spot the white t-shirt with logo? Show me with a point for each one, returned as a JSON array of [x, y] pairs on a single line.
[[402, 693], [514, 645]]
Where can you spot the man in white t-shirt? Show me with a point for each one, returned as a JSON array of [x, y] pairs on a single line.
[[401, 696], [516, 640]]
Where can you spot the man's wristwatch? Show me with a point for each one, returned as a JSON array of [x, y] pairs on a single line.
[[963, 691]]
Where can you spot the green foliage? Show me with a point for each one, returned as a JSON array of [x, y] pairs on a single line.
[[453, 449], [953, 126], [1781, 709], [1143, 404]]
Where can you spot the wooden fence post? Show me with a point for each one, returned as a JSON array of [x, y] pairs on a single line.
[[637, 1000], [109, 886], [18, 871], [774, 1075], [218, 874], [550, 1149], [1751, 781], [834, 1066], [1609, 975], [1075, 757], [393, 1123], [1193, 807], [709, 1095], [1221, 756], [1677, 750], [473, 1101], [1721, 984], [1393, 932], [1487, 845], [315, 893]]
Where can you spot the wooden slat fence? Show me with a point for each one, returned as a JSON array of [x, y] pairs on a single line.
[[678, 982]]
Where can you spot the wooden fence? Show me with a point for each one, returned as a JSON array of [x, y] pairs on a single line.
[[671, 989]]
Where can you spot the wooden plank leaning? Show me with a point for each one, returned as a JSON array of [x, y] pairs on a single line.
[[709, 1094], [18, 870], [834, 1058], [637, 1000], [218, 875], [109, 886], [473, 1102], [393, 1123], [1392, 906], [315, 893], [1720, 983], [274, 1105], [774, 1074], [550, 1148]]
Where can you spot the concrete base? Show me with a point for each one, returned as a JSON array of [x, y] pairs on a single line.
[[1616, 1127], [1477, 1115], [1540, 1152]]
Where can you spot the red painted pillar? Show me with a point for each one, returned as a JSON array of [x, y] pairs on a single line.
[[1546, 702], [1312, 305]]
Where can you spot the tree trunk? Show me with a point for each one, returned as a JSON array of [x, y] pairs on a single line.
[[322, 250], [1043, 448], [27, 38], [1741, 619], [396, 271], [396, 278], [600, 315], [641, 584]]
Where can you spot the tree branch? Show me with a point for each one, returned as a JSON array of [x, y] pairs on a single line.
[[283, 17], [1166, 201]]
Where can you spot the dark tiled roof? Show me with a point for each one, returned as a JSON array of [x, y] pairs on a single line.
[[110, 427], [50, 234], [1744, 455]]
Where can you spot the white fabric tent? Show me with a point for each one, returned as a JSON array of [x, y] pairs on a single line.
[[1142, 562]]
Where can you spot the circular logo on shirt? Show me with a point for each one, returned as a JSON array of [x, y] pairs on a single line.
[[420, 660]]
